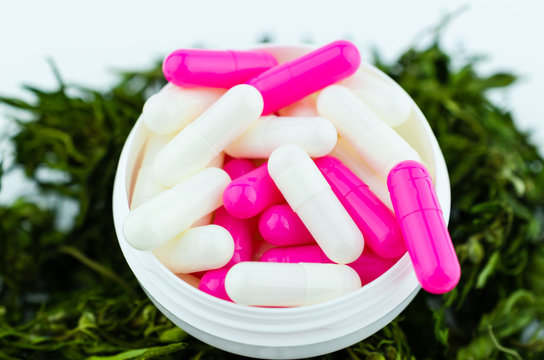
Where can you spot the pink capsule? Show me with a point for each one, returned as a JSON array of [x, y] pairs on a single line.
[[291, 81], [238, 167], [422, 224], [214, 68], [251, 193], [369, 266], [281, 226], [373, 218], [213, 283], [295, 254], [242, 233]]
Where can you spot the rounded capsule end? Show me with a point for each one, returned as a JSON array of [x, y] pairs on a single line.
[[273, 226], [140, 234], [406, 171], [249, 96], [213, 283], [331, 100], [240, 200], [236, 281], [326, 138], [174, 67], [442, 280], [221, 244], [284, 157], [350, 54], [159, 113]]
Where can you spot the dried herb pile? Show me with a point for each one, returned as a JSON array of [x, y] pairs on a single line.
[[66, 292]]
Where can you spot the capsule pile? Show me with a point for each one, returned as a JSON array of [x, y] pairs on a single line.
[[284, 184]]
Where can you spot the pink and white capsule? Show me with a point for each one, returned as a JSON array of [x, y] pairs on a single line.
[[215, 68], [197, 144], [373, 218], [277, 284], [172, 108], [375, 141], [197, 249], [311, 197], [280, 225], [422, 223], [368, 266], [314, 134], [251, 193], [173, 211]]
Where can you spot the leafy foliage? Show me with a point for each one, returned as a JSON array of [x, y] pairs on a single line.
[[67, 293]]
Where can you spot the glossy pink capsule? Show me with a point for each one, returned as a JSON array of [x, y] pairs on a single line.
[[375, 220], [281, 226], [213, 283], [295, 254], [251, 193], [214, 68], [369, 266], [242, 233], [291, 81], [422, 224], [241, 229], [238, 167]]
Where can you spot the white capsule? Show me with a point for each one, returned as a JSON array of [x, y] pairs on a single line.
[[172, 108], [147, 186], [314, 134], [174, 210], [197, 249], [346, 153], [375, 141], [387, 101], [310, 196], [196, 145], [304, 107], [216, 162], [288, 284]]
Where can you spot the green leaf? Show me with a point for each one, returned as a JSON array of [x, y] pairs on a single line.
[[148, 353], [488, 270]]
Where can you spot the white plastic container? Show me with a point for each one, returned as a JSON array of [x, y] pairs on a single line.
[[279, 333]]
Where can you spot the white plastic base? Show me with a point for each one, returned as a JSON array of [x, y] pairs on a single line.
[[279, 333]]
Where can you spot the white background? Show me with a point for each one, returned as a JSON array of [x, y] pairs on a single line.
[[89, 40]]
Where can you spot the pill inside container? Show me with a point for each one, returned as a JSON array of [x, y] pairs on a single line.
[[281, 333]]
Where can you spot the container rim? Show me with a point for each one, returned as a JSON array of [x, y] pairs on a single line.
[[209, 314]]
